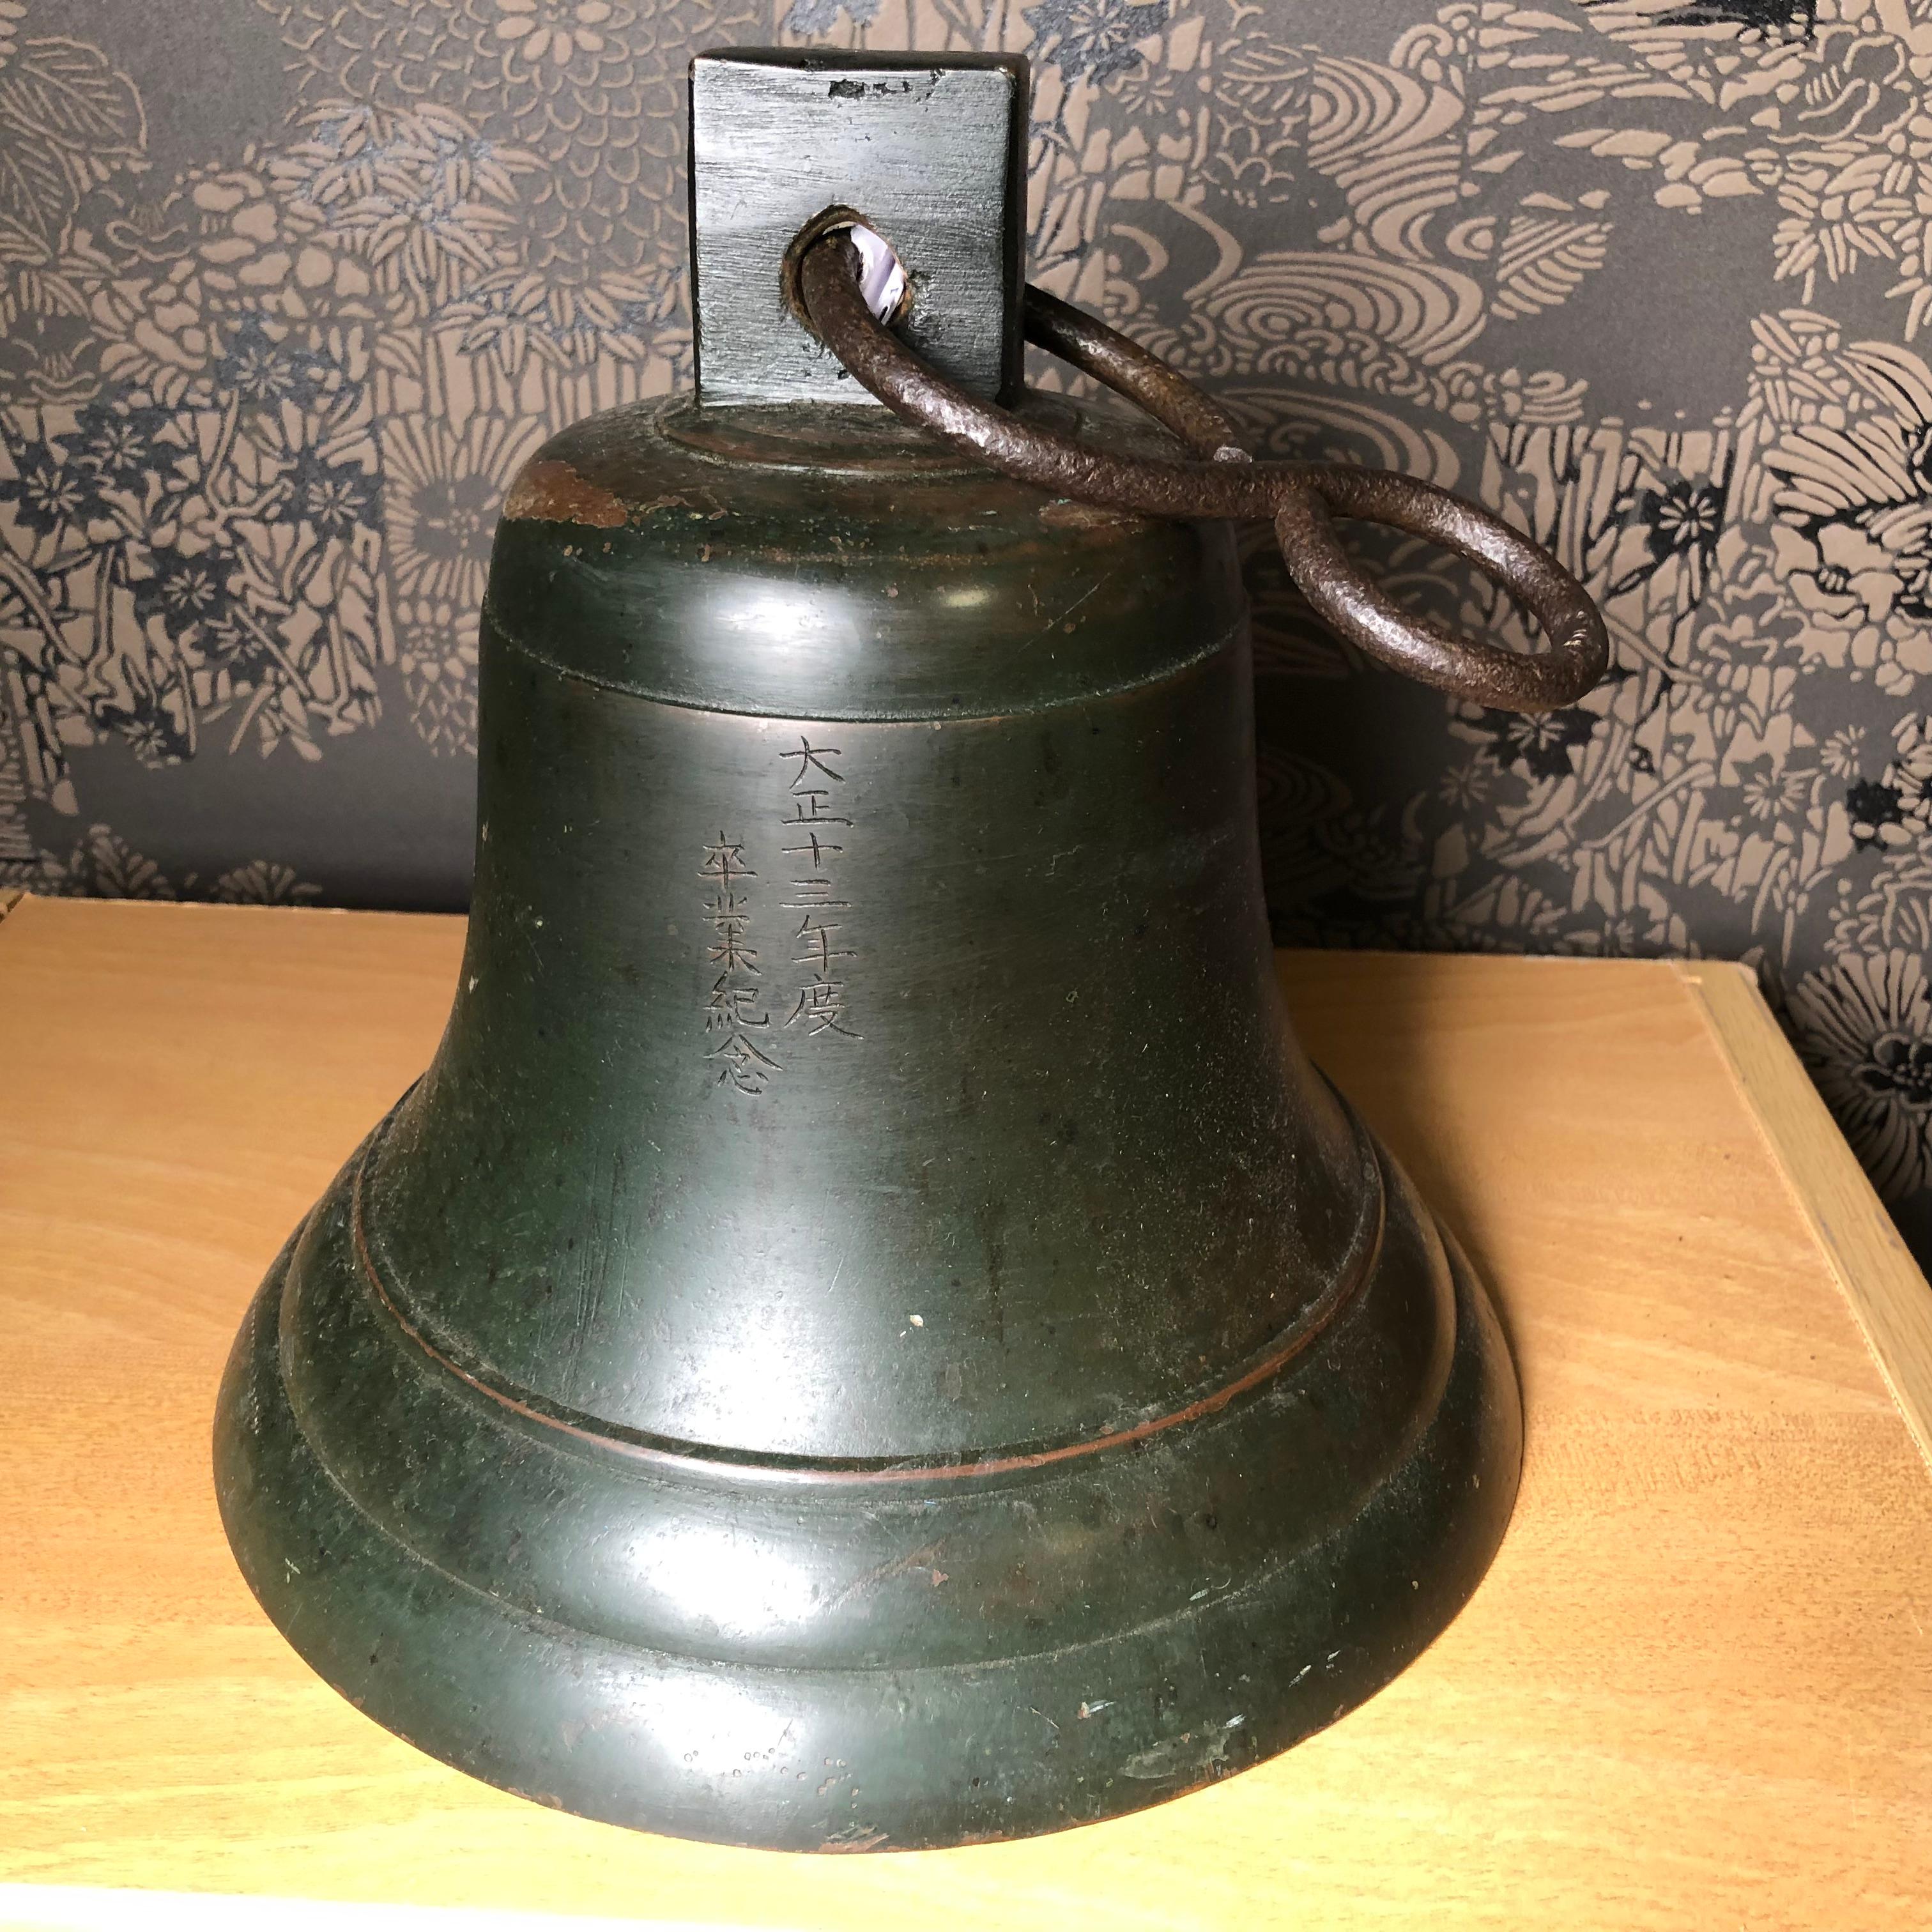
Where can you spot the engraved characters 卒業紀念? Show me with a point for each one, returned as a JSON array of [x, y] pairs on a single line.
[[735, 1007]]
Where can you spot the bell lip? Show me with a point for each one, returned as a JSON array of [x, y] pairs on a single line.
[[340, 1588]]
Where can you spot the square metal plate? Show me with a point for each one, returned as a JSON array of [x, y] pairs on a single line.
[[929, 149]]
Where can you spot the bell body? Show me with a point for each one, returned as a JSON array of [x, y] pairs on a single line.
[[870, 1333]]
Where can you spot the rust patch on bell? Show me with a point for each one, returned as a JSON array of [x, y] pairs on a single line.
[[551, 492]]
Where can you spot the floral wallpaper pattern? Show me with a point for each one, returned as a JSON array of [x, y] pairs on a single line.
[[288, 289]]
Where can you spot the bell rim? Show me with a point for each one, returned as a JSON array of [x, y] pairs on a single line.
[[532, 1715]]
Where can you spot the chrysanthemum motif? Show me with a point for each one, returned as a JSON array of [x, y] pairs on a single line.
[[556, 30], [1685, 514], [336, 499], [123, 443], [1544, 744], [1772, 791], [441, 490], [1842, 754], [193, 600], [1664, 522], [1864, 1026], [593, 88], [1093, 39], [47, 493], [12, 12]]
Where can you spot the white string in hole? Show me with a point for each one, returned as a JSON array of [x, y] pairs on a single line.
[[882, 278]]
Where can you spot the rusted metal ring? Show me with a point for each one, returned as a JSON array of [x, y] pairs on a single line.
[[1299, 499]]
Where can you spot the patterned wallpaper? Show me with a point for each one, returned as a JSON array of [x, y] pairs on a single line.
[[289, 288]]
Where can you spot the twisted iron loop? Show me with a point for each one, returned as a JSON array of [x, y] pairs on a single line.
[[1298, 498]]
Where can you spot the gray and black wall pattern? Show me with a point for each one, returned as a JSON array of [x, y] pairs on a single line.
[[288, 289]]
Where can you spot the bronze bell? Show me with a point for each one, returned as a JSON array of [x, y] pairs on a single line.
[[870, 1333]]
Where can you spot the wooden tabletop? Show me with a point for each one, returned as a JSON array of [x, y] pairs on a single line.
[[1695, 1689]]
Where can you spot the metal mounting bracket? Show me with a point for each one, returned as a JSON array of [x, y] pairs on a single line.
[[929, 149]]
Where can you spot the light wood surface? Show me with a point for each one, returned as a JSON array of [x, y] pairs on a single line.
[[1861, 1246], [1695, 1689]]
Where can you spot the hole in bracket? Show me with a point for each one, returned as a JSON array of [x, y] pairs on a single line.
[[882, 279]]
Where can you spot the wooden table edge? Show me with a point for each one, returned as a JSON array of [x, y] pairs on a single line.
[[1890, 1298]]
